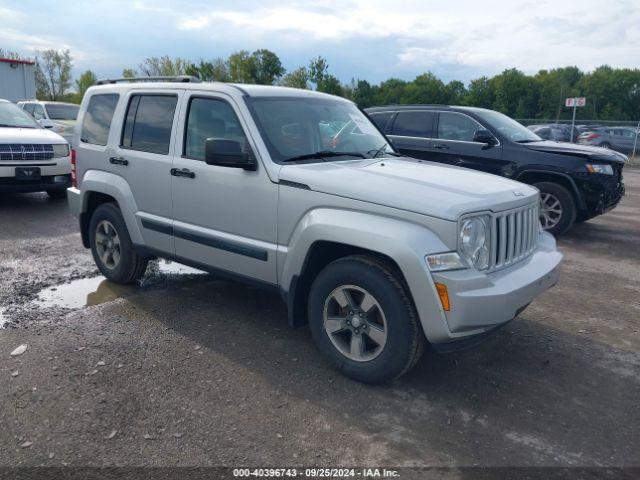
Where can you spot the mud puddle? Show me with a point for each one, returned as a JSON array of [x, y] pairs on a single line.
[[86, 292]]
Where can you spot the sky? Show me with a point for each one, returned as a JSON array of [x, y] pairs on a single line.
[[362, 39]]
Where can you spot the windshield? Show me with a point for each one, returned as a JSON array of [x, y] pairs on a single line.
[[13, 116], [316, 128], [62, 111], [507, 126]]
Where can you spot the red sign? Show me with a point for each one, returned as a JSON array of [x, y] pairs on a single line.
[[575, 102]]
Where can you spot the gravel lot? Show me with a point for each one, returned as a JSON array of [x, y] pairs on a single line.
[[189, 370]]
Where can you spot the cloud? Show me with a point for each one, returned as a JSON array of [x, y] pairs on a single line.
[[368, 39]]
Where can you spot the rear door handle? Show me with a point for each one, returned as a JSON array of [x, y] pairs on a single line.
[[185, 172], [441, 146], [118, 161]]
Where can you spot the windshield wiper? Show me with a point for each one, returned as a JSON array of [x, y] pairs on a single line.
[[6, 125], [526, 140], [324, 154], [381, 150]]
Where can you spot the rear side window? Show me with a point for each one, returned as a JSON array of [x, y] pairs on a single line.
[[147, 126], [455, 126], [97, 119], [412, 124], [210, 118], [381, 120]]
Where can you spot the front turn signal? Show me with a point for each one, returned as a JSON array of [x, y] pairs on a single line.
[[444, 296]]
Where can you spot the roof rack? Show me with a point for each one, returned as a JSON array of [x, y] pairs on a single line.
[[177, 78]]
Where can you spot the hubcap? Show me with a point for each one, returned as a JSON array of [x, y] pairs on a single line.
[[550, 210], [355, 323], [108, 244]]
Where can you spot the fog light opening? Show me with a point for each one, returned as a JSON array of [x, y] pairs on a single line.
[[444, 296]]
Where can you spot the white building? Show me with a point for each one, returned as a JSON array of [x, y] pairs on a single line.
[[17, 80]]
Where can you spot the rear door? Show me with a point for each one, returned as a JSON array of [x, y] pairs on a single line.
[[453, 144], [410, 132], [144, 157]]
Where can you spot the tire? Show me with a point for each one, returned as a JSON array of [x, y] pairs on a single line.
[[567, 206], [393, 316], [57, 194], [605, 145], [129, 267]]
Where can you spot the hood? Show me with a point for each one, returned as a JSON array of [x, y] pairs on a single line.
[[578, 150], [29, 135], [427, 188]]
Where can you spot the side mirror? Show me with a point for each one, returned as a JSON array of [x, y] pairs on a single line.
[[227, 153], [485, 136]]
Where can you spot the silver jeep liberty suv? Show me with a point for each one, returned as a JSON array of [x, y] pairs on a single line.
[[298, 191]]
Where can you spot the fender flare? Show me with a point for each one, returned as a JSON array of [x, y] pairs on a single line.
[[404, 242], [117, 187]]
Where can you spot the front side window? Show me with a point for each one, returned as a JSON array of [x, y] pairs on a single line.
[[62, 111], [412, 124], [11, 116], [97, 119], [148, 123], [210, 118], [454, 126], [308, 126]]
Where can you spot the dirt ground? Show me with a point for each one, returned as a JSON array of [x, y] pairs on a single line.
[[190, 370]]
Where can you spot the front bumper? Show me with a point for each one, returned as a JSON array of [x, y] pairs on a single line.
[[482, 302], [45, 183]]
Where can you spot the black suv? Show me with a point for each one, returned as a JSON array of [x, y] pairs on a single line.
[[576, 182]]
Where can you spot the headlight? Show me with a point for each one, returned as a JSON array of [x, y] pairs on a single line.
[[595, 168], [445, 261], [474, 241], [60, 150]]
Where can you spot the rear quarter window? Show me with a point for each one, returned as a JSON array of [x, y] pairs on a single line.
[[97, 118]]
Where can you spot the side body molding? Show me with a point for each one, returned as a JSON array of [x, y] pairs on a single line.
[[405, 242]]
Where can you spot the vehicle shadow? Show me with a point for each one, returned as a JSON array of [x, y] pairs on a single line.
[[532, 394]]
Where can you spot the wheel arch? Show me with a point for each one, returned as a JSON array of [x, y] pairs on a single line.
[[534, 176], [325, 235], [100, 187]]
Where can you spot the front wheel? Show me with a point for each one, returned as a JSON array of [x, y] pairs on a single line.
[[363, 321], [557, 208], [112, 248]]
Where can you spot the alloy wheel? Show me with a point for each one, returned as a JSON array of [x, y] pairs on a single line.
[[550, 210], [355, 323], [108, 244]]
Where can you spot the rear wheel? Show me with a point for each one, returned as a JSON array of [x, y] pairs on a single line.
[[363, 321], [557, 208], [605, 145], [112, 248]]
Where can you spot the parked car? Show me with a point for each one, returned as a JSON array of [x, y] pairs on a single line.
[[58, 116], [32, 159], [377, 253], [577, 182], [620, 139], [551, 132]]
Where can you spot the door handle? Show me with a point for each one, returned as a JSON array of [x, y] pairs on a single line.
[[185, 172], [118, 161], [441, 146]]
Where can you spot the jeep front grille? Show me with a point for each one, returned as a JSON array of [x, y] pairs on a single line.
[[514, 235], [25, 151]]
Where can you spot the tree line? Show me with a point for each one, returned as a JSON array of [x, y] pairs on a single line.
[[612, 93]]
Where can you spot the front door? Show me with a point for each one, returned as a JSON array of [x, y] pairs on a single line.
[[453, 143], [224, 217]]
